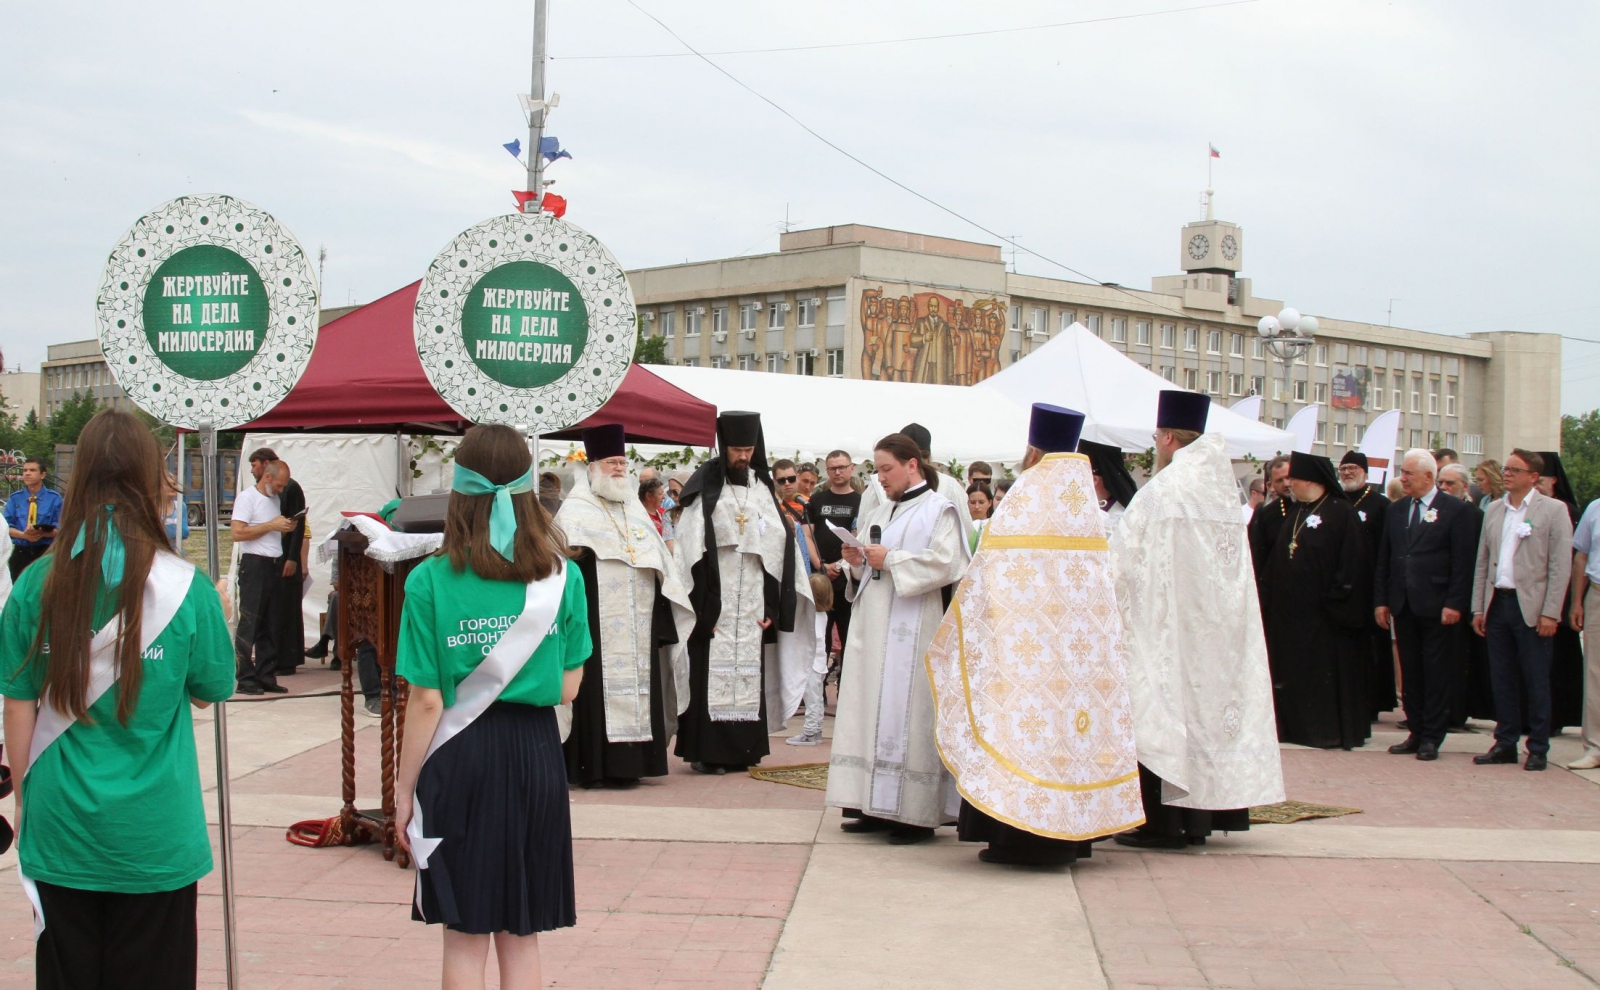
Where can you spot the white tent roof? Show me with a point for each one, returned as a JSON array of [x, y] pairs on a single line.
[[812, 415], [1078, 370]]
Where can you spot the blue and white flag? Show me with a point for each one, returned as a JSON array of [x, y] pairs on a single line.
[[550, 148]]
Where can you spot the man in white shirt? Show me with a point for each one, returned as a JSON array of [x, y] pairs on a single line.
[[1518, 592], [257, 527]]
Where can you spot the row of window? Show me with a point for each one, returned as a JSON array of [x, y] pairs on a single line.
[[805, 362], [750, 318], [78, 376], [1352, 434], [1233, 383]]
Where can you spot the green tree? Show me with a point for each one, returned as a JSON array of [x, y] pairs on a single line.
[[68, 421], [1580, 454], [649, 350], [33, 439]]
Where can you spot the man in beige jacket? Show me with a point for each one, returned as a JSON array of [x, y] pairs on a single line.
[[1518, 590]]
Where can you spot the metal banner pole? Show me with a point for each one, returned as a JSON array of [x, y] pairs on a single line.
[[208, 454]]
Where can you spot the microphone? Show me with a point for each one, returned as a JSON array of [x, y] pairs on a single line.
[[874, 534]]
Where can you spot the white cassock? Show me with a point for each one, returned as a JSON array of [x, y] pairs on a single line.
[[885, 757], [1028, 671], [789, 662], [1197, 658], [872, 496]]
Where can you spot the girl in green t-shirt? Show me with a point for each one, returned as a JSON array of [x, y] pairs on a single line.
[[112, 828], [493, 635]]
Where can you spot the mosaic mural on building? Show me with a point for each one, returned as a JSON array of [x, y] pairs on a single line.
[[930, 337]]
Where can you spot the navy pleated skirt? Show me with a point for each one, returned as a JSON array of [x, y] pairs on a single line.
[[496, 795]]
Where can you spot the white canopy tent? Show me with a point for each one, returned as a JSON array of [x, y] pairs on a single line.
[[1080, 371], [810, 416]]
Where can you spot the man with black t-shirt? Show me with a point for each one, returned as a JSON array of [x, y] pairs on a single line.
[[838, 503]]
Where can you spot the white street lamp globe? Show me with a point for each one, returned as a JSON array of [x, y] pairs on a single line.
[[1309, 326], [1269, 326], [1289, 319]]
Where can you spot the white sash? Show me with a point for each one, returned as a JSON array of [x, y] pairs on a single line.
[[481, 688], [165, 588], [911, 531]]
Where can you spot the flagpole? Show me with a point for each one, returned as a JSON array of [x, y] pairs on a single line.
[[536, 116]]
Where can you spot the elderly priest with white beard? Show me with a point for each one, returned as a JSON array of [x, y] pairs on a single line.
[[1191, 624], [637, 679], [736, 551]]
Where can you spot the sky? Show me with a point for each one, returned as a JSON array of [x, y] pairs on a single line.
[[1436, 154]]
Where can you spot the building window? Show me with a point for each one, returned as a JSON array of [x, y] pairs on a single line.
[[1321, 435], [1399, 361], [1338, 433], [836, 363], [774, 363], [1191, 338], [1141, 333], [1416, 395], [691, 362], [1433, 397], [1361, 354], [1416, 439], [1191, 379], [1361, 434], [691, 320], [1169, 336], [1450, 399], [669, 322], [747, 362], [1094, 324], [805, 363], [1067, 318], [1319, 392], [775, 311], [1322, 355], [1213, 341], [1236, 344], [1257, 349], [1169, 373], [1016, 317], [1041, 320], [747, 316], [719, 319], [1472, 443], [1380, 358], [1299, 391], [808, 311], [1450, 440], [1235, 384], [1119, 331], [1258, 384], [836, 313], [1213, 382], [1277, 422], [719, 360]]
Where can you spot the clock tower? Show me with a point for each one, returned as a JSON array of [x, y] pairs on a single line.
[[1211, 246]]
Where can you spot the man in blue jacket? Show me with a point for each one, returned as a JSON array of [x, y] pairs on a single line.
[[32, 514]]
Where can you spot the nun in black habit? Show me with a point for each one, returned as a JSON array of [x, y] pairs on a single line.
[[1318, 591], [1113, 485], [1566, 666], [710, 743]]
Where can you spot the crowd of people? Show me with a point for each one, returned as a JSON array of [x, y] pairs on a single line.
[[1041, 661]]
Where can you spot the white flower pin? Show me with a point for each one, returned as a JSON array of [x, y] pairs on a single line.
[[1362, 513], [1524, 530], [1432, 515], [1313, 521]]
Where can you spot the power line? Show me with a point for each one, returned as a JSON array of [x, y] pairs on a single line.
[[891, 179], [691, 53]]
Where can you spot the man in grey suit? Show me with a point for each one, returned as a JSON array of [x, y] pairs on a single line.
[[1518, 590]]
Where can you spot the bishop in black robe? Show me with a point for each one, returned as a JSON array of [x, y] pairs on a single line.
[[1372, 508]]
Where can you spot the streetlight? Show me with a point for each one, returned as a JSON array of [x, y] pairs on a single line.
[[1288, 335]]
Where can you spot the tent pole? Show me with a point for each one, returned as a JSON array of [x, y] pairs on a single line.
[[208, 454]]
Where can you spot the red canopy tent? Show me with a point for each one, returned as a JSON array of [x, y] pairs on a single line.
[[364, 376]]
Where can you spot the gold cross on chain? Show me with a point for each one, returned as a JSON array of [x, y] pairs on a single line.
[[741, 519]]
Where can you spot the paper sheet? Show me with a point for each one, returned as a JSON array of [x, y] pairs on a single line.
[[844, 535]]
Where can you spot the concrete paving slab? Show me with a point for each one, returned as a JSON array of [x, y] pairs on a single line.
[[1328, 841], [670, 824], [931, 916]]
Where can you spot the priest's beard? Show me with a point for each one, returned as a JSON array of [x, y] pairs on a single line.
[[737, 475], [610, 488], [1352, 486], [1162, 458]]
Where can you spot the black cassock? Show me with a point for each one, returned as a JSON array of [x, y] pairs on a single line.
[[1263, 533], [289, 630], [1319, 591], [591, 758], [1371, 503]]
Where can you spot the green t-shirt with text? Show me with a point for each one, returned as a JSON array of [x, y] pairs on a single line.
[[453, 618], [110, 807]]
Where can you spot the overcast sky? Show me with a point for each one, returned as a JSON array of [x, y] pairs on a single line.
[[1440, 153]]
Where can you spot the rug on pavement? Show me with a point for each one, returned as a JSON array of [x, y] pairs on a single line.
[[812, 775], [1285, 812]]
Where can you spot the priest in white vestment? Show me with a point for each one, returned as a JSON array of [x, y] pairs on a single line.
[[1197, 657], [872, 495], [636, 681], [736, 553], [1027, 669], [911, 551]]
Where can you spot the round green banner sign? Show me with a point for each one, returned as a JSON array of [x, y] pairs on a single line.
[[207, 311], [524, 324], [525, 320]]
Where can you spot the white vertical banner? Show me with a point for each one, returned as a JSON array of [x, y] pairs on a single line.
[[1379, 443], [1248, 407], [1304, 427]]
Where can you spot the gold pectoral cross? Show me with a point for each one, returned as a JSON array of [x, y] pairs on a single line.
[[1294, 544], [741, 519]]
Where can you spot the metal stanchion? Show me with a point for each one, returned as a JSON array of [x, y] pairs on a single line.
[[208, 452]]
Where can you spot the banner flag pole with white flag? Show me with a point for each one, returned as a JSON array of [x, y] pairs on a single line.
[[1379, 444], [1304, 427], [1249, 407]]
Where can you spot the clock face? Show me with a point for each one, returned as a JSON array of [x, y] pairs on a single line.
[[1199, 246], [1230, 247]]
